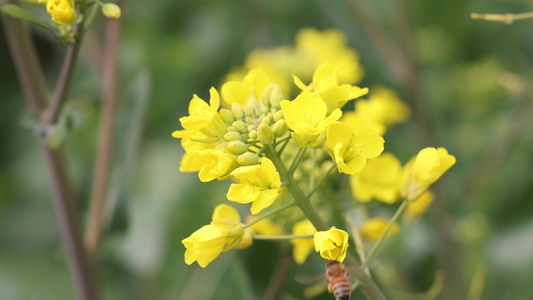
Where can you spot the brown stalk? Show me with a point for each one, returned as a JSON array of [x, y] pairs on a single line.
[[105, 142], [33, 87]]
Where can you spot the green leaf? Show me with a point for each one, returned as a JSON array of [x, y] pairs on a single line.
[[20, 13]]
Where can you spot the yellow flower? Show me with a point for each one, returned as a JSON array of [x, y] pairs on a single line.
[[187, 163], [418, 208], [306, 116], [423, 170], [351, 150], [379, 179], [302, 247], [252, 85], [259, 184], [223, 234], [213, 164], [265, 226], [331, 244], [373, 228], [326, 84], [330, 46], [62, 11], [203, 121], [111, 10], [381, 111]]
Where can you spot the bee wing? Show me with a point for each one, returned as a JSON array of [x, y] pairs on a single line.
[[310, 278]]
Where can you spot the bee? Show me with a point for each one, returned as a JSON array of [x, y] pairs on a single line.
[[338, 283]]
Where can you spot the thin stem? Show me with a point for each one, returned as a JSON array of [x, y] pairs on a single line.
[[297, 193], [286, 140], [270, 213], [376, 246], [30, 76], [359, 247], [278, 276], [297, 159], [315, 188], [282, 237], [67, 69], [105, 142], [502, 18]]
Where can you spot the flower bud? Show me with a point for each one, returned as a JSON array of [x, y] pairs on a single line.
[[253, 134], [248, 159], [237, 147], [276, 96], [227, 116], [111, 10], [279, 128], [278, 115], [239, 125], [237, 110], [265, 134], [62, 11], [267, 119], [232, 136], [249, 110], [265, 96]]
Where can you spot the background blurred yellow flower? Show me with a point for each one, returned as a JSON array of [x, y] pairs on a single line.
[[373, 228], [301, 248]]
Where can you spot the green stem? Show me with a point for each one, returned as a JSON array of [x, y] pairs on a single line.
[[296, 160], [384, 234], [270, 213], [287, 139], [502, 18], [315, 188], [282, 237], [296, 192]]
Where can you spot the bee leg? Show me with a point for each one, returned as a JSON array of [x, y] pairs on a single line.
[[329, 289]]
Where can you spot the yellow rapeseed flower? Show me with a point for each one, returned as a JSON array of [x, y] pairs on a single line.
[[62, 11], [373, 228], [381, 111], [252, 85], [203, 121], [302, 247], [326, 84], [423, 170], [191, 147], [223, 234], [213, 164], [379, 180], [307, 117], [419, 207], [259, 184], [349, 149], [330, 46], [331, 244]]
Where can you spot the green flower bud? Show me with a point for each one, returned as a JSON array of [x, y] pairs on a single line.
[[280, 128], [248, 159], [239, 125], [265, 96], [278, 115], [232, 136], [237, 147], [276, 96], [267, 119], [237, 110], [264, 109], [248, 110], [227, 116], [111, 10], [251, 127], [253, 134], [265, 134]]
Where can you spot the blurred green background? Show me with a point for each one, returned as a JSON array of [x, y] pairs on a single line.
[[473, 96]]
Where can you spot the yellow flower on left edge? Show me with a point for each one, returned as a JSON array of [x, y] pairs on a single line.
[[259, 184], [62, 11], [331, 244], [223, 234]]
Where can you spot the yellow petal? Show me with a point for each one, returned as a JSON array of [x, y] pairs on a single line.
[[225, 212]]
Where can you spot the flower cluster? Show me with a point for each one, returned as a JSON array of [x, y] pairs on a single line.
[[255, 134]]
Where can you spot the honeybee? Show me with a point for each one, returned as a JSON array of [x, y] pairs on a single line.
[[338, 283]]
